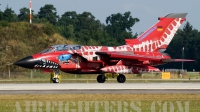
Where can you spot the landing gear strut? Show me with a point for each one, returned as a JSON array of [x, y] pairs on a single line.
[[55, 76], [101, 78], [121, 78]]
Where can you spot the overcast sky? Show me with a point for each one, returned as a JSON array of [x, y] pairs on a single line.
[[147, 11]]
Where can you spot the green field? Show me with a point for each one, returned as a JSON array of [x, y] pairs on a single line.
[[40, 77], [100, 103]]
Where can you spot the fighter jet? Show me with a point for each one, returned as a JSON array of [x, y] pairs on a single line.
[[135, 57]]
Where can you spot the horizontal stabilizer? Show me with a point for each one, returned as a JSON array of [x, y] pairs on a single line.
[[183, 60], [177, 60]]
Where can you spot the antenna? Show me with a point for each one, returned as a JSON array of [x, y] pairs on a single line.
[[30, 6]]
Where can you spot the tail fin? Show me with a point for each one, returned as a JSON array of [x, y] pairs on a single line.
[[159, 35]]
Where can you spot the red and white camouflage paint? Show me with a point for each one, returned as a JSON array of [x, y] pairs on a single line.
[[137, 56]]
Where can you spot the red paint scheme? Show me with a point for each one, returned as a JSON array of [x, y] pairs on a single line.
[[137, 56]]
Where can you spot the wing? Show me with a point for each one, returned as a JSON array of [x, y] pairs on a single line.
[[142, 57], [130, 56]]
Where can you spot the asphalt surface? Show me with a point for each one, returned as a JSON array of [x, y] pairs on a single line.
[[97, 88]]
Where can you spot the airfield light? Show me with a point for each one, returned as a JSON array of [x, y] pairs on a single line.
[[182, 57]]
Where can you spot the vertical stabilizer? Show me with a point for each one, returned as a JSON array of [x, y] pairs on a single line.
[[159, 35]]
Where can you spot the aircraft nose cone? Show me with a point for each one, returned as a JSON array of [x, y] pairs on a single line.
[[27, 62]]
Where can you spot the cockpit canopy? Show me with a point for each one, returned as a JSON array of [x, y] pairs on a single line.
[[61, 47]]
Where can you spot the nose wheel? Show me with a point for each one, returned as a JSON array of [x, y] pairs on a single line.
[[55, 77]]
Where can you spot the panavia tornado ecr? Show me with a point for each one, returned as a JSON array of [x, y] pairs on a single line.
[[135, 57]]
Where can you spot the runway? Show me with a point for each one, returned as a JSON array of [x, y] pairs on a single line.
[[95, 88]]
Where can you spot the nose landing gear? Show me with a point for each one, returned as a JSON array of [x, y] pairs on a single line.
[[55, 77]]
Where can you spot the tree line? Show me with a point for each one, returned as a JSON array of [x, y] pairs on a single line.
[[80, 28], [85, 29]]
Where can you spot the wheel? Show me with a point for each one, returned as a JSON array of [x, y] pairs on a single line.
[[55, 80], [55, 76], [101, 78], [121, 78]]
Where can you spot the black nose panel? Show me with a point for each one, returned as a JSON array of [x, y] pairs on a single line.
[[27, 62], [30, 62]]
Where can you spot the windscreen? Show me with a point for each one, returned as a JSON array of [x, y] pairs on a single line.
[[61, 47], [48, 50]]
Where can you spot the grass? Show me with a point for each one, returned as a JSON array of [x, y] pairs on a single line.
[[98, 102], [101, 102], [40, 77], [20, 39]]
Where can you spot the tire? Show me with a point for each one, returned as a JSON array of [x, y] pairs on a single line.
[[101, 79], [121, 78], [55, 80]]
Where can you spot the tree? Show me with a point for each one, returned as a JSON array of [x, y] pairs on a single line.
[[49, 13], [9, 15], [1, 15], [24, 14], [68, 18], [82, 28], [118, 25], [85, 21], [66, 24], [67, 31], [36, 19], [187, 33]]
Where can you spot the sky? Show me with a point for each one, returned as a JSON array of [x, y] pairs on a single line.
[[147, 11]]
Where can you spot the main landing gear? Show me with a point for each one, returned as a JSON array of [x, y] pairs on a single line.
[[121, 78], [101, 78], [55, 76]]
